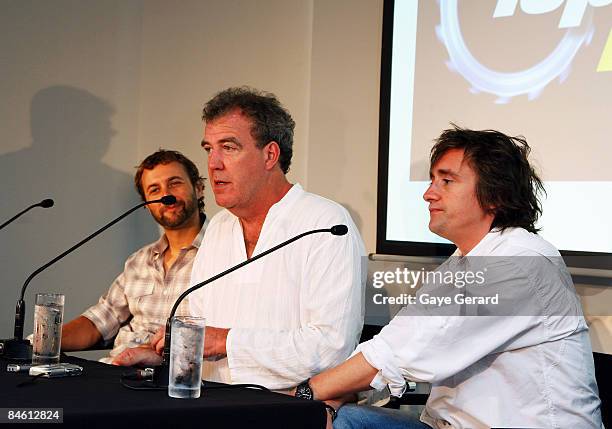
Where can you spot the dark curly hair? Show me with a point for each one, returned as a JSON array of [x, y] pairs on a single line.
[[164, 157], [271, 121], [505, 179]]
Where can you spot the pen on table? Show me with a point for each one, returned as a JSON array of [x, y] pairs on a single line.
[[13, 367]]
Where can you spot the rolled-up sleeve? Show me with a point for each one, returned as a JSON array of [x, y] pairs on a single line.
[[111, 311], [380, 355]]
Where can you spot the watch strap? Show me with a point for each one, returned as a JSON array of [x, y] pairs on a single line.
[[332, 412]]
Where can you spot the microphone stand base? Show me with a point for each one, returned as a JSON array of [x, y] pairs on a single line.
[[16, 349]]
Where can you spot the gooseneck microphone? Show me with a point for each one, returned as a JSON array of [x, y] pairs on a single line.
[[20, 349], [45, 204], [161, 374]]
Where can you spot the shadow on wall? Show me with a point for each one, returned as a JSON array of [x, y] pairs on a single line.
[[71, 132]]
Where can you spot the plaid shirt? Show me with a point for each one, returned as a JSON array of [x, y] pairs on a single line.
[[139, 301]]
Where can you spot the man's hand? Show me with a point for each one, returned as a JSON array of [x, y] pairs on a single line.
[[336, 404], [143, 355], [329, 424], [158, 340], [215, 341]]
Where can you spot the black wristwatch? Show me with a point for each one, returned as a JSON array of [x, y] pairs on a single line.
[[304, 391]]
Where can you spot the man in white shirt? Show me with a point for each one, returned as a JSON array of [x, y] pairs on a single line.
[[296, 311], [526, 362]]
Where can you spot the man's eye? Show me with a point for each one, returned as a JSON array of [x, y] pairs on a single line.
[[206, 149], [153, 191], [446, 181], [229, 147]]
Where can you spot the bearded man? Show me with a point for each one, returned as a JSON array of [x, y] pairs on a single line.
[[139, 300]]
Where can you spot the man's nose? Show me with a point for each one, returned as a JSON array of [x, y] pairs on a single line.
[[165, 190], [214, 161], [431, 194]]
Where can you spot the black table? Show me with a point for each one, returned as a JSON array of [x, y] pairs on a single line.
[[97, 399]]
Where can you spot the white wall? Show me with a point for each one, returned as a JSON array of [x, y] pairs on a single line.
[[193, 49], [68, 130], [345, 81]]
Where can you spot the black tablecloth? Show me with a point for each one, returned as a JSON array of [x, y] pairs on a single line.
[[97, 399]]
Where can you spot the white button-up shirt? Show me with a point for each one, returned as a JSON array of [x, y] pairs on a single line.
[[529, 370], [294, 312]]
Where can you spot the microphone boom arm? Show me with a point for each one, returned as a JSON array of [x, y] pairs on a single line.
[[20, 308], [44, 204], [76, 246]]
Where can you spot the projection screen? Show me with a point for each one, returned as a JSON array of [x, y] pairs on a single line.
[[541, 69]]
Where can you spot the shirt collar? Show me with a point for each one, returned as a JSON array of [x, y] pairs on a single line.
[[160, 246], [295, 192], [484, 245], [197, 241]]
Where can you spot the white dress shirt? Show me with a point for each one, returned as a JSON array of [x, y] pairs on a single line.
[[292, 313], [530, 370]]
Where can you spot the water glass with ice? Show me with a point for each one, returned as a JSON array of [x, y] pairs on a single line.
[[48, 318], [186, 350]]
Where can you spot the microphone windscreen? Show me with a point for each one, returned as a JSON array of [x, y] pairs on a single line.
[[339, 229], [168, 200], [46, 203]]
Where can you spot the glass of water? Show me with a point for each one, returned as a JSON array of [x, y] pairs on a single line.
[[186, 350], [48, 318]]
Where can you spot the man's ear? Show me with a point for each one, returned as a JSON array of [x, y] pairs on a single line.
[[272, 154], [199, 188]]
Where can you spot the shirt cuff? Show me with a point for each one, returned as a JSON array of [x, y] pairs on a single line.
[[107, 330], [236, 366], [378, 354], [244, 368]]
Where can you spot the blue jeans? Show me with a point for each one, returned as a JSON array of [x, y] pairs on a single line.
[[353, 416]]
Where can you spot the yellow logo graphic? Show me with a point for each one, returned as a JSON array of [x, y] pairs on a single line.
[[605, 63]]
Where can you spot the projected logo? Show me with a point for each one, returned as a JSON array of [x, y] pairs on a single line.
[[534, 79]]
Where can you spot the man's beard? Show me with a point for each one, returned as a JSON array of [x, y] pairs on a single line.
[[184, 211]]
